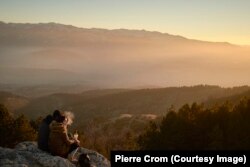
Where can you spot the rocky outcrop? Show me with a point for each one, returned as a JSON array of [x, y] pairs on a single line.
[[26, 154]]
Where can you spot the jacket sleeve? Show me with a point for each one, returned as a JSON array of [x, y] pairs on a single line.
[[66, 137]]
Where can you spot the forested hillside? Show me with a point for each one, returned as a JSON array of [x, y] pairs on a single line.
[[223, 125], [194, 127], [112, 103]]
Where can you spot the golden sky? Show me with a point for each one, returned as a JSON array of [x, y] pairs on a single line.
[[209, 20]]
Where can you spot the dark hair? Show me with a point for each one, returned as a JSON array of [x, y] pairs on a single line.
[[60, 119], [48, 119], [84, 160], [56, 114]]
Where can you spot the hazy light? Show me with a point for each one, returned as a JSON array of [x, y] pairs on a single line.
[[224, 20]]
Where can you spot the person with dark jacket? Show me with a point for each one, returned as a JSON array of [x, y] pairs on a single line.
[[59, 142], [43, 132]]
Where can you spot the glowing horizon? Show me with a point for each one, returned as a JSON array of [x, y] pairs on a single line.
[[223, 21]]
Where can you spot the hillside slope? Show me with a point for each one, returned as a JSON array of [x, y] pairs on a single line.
[[107, 105]]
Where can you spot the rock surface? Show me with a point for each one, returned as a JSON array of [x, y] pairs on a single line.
[[26, 154]]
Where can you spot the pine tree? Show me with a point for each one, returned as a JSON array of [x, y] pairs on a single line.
[[14, 131], [6, 126]]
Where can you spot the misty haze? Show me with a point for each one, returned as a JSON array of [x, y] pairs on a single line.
[[114, 75], [79, 79], [40, 54]]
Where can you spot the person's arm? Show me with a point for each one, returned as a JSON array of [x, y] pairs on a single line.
[[66, 137]]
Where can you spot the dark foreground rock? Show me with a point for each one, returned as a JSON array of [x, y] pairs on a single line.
[[26, 154]]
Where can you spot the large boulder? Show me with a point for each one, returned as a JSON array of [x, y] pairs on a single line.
[[26, 154]]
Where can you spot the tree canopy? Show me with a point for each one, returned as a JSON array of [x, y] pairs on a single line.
[[194, 127], [14, 130]]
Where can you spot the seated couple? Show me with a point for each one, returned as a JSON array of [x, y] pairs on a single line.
[[53, 136]]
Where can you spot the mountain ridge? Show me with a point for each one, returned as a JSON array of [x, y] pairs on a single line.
[[121, 58], [55, 25]]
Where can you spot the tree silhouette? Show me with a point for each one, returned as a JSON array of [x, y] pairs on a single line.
[[13, 130], [197, 128]]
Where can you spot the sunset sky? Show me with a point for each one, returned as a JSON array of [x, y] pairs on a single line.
[[210, 20]]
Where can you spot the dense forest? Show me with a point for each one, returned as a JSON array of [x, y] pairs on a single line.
[[194, 127], [14, 130]]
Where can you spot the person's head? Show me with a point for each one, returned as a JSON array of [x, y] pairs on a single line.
[[70, 116], [56, 114], [61, 119]]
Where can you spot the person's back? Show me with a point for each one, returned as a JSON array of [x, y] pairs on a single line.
[[44, 130], [43, 133], [59, 142]]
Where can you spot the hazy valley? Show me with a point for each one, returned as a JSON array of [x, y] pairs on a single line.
[[40, 54], [114, 78], [106, 106]]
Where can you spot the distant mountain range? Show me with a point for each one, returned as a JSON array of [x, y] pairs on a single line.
[[68, 35], [51, 53]]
